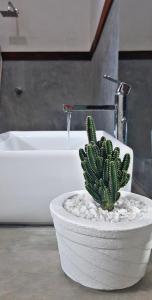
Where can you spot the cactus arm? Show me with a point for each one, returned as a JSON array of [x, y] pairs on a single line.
[[113, 181], [99, 164], [96, 150], [93, 193], [88, 178], [125, 178], [91, 130], [116, 153], [106, 171], [109, 147], [103, 139], [82, 154], [107, 201], [87, 168], [103, 152], [118, 163], [92, 158], [126, 162]]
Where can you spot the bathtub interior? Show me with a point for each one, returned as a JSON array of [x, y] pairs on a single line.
[[50, 140], [42, 140]]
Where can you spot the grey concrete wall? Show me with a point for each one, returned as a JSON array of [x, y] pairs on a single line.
[[105, 61], [139, 74], [48, 84]]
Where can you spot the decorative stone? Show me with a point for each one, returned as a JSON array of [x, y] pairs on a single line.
[[126, 208]]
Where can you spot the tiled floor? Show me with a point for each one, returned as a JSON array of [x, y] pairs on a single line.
[[30, 269]]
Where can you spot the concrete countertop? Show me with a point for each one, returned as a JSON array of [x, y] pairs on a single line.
[[30, 270]]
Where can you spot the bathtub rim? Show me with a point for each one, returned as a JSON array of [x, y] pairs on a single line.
[[48, 134]]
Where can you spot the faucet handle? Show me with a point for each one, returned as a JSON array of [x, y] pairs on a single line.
[[111, 79], [123, 87]]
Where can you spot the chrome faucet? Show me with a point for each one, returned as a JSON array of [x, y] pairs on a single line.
[[120, 120], [82, 107]]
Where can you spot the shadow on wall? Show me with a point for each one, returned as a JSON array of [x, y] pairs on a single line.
[[139, 104], [139, 117], [143, 175]]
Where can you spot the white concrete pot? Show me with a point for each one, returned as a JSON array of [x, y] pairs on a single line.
[[105, 256]]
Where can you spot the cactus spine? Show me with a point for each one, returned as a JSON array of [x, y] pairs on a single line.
[[104, 172]]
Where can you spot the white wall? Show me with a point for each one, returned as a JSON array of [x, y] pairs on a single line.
[[50, 25], [47, 25], [135, 25]]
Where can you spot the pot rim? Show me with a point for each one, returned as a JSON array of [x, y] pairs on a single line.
[[58, 211]]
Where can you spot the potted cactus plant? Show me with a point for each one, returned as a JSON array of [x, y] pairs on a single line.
[[104, 233], [104, 172]]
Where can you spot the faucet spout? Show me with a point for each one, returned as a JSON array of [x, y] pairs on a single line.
[[83, 107]]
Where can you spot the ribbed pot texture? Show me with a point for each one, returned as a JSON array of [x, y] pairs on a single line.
[[102, 256]]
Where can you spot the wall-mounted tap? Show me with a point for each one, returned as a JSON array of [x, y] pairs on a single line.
[[11, 11]]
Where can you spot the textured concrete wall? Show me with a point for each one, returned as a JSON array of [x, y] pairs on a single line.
[[96, 7], [136, 23], [48, 84], [105, 61], [139, 73]]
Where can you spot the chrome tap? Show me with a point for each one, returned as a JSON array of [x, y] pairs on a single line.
[[120, 124], [68, 108], [119, 107], [83, 107]]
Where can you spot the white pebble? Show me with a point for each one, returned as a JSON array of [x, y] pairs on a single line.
[[126, 209]]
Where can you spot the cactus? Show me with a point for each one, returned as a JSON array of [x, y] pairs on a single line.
[[91, 130], [104, 172]]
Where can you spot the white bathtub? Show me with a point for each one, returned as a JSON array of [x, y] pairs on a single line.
[[37, 166]]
